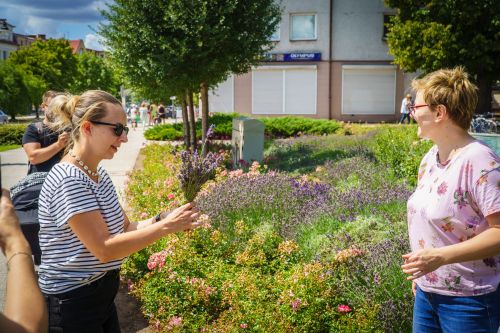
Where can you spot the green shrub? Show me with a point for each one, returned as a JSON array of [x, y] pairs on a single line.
[[274, 127], [401, 149], [12, 134]]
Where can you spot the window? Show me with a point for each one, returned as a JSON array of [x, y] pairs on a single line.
[[275, 37], [387, 25], [303, 27]]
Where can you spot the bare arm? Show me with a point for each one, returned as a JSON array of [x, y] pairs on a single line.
[[37, 155], [93, 232], [484, 245], [25, 309]]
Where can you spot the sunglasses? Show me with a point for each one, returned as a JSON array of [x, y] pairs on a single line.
[[118, 128]]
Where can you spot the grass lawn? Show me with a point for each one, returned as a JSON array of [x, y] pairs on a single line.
[[8, 147]]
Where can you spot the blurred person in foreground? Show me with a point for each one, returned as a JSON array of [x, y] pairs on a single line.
[[454, 213], [84, 232], [25, 309]]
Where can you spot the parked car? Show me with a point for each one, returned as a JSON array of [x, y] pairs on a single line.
[[4, 118]]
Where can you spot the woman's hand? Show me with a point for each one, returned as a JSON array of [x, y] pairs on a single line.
[[182, 218], [11, 236], [421, 262]]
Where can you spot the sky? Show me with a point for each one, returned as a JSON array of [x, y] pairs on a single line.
[[69, 19]]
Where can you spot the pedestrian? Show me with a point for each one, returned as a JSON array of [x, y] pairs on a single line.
[[24, 309], [84, 232], [42, 146], [454, 213], [405, 109], [154, 114], [143, 114], [161, 113], [135, 115]]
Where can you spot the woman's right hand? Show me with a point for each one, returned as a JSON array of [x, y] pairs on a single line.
[[11, 236], [183, 218]]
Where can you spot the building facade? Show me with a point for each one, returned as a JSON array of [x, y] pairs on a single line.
[[330, 60], [7, 41]]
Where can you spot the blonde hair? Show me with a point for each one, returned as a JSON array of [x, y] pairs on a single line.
[[451, 88], [71, 111]]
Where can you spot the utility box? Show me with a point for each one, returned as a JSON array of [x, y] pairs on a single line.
[[247, 140]]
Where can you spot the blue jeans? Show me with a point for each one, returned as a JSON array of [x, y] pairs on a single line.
[[403, 117], [455, 314]]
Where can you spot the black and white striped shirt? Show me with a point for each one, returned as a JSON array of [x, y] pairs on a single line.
[[66, 192]]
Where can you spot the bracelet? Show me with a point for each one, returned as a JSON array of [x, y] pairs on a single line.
[[15, 254]]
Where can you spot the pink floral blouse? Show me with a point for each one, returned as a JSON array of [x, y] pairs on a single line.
[[449, 206]]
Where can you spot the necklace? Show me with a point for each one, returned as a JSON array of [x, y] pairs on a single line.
[[83, 165]]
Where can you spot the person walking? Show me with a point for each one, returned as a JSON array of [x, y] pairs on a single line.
[[454, 213], [143, 113], [84, 232], [405, 109]]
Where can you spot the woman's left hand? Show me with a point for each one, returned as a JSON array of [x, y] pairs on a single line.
[[421, 262]]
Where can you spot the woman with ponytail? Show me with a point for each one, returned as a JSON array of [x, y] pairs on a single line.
[[84, 232], [454, 213]]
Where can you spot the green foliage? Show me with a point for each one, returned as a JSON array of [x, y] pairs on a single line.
[[12, 134], [94, 73], [14, 91], [176, 45], [52, 61], [402, 150], [429, 35], [274, 127]]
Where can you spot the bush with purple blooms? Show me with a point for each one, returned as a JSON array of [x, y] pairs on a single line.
[[313, 245]]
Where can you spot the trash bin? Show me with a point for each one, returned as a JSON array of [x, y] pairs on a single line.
[[247, 140]]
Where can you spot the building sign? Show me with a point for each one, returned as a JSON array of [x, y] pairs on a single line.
[[290, 57]]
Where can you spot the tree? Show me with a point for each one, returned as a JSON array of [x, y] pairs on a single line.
[[187, 45], [14, 93], [51, 60], [427, 35], [95, 73]]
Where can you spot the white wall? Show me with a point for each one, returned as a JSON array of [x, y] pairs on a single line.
[[357, 30], [321, 8]]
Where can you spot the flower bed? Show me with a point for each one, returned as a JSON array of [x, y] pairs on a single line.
[[317, 249]]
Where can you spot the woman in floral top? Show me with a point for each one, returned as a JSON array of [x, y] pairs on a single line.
[[454, 214]]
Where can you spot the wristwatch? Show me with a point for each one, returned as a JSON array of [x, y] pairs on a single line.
[[157, 218]]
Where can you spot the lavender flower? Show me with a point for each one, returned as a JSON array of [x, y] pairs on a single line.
[[196, 170]]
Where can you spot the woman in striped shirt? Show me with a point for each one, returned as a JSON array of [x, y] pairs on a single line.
[[84, 232]]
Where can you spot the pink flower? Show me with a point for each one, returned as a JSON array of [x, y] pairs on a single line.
[[344, 308], [157, 325], [243, 326], [442, 188], [174, 322], [167, 183], [143, 215], [296, 304], [171, 196]]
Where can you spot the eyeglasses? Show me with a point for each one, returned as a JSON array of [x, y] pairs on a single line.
[[414, 108], [118, 128]]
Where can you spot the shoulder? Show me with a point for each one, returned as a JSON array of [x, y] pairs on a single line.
[[478, 153], [66, 174], [32, 133]]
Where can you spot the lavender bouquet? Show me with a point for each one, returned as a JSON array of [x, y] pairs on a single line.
[[197, 169]]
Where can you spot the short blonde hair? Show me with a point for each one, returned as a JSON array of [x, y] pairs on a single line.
[[71, 111], [451, 88]]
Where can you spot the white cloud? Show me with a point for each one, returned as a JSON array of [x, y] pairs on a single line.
[[93, 42]]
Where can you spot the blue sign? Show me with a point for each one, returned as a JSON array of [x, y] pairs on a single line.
[[290, 57]]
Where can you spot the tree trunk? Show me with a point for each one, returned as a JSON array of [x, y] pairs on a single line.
[[192, 120], [185, 123], [204, 115], [484, 83]]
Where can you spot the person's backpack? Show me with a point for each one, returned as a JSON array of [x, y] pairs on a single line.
[[24, 196]]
